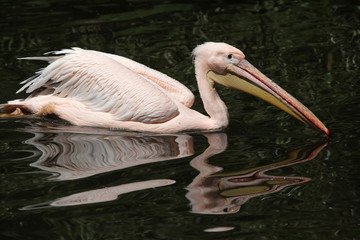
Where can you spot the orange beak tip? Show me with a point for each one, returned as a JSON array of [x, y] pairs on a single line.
[[327, 132]]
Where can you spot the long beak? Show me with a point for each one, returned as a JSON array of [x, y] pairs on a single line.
[[245, 77]]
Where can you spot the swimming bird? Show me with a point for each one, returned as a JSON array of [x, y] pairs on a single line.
[[92, 88]]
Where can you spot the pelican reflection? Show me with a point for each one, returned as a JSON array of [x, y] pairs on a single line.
[[74, 155], [109, 193], [223, 193]]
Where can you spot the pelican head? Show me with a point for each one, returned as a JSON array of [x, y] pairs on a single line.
[[226, 65]]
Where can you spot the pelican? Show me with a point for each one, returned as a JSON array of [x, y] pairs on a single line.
[[91, 88]]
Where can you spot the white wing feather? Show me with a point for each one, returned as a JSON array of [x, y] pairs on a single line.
[[172, 87], [103, 84]]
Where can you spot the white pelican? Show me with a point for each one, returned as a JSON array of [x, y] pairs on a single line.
[[91, 88]]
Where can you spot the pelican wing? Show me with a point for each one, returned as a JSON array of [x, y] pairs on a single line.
[[102, 84], [174, 88]]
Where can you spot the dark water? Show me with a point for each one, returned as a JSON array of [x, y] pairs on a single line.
[[266, 177]]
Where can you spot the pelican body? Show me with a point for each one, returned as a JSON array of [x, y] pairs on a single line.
[[91, 88]]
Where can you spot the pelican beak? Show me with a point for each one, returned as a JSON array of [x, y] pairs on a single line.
[[245, 77]]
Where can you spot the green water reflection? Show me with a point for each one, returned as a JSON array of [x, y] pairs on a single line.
[[49, 170]]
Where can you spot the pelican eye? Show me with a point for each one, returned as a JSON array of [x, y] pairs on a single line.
[[229, 56]]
